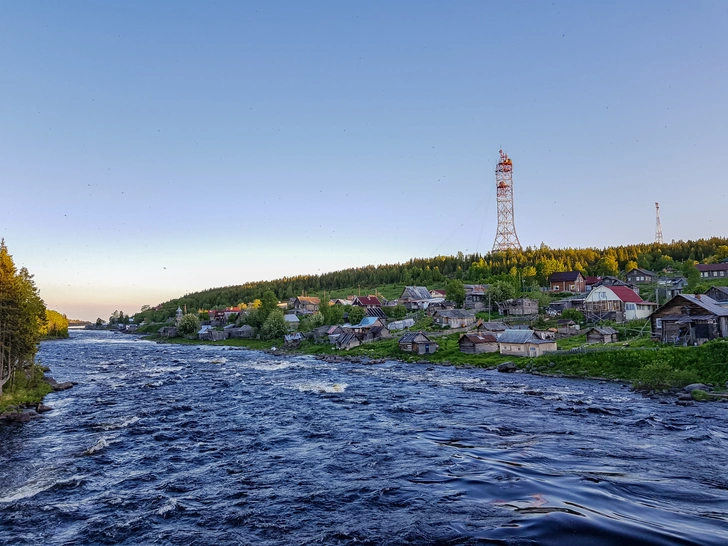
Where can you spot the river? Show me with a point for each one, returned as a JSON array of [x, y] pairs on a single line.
[[200, 445]]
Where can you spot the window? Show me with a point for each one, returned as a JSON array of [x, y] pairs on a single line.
[[658, 323], [555, 287], [721, 273], [571, 287], [630, 307]]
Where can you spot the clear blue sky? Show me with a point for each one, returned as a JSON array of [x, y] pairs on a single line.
[[150, 149]]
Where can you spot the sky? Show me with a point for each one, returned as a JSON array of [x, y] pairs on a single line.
[[154, 149]]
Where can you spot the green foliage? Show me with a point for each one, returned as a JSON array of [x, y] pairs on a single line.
[[500, 291], [268, 303], [456, 292], [356, 314], [275, 325], [700, 396], [573, 314], [661, 375], [189, 324], [252, 317], [27, 387], [22, 316], [55, 326]]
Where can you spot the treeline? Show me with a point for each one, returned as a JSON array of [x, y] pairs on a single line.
[[55, 326], [529, 267], [22, 319]]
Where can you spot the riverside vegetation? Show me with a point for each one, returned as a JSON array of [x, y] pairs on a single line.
[[24, 322]]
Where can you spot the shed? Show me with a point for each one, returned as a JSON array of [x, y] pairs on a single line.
[[478, 343], [417, 342], [243, 332], [601, 334], [454, 318], [524, 343], [292, 321]]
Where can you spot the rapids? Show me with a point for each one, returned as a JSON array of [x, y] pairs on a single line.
[[199, 445]]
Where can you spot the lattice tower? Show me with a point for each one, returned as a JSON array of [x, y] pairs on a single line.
[[658, 226], [505, 236]]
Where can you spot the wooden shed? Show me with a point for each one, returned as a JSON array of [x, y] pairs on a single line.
[[690, 319], [478, 343], [601, 334], [417, 342]]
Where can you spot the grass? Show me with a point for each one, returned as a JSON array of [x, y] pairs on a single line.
[[25, 389]]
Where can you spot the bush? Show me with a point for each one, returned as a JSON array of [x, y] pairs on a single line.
[[275, 325], [189, 324], [660, 375]]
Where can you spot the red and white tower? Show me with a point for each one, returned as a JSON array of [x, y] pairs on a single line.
[[505, 237], [658, 226]]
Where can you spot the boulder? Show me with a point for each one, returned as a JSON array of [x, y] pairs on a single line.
[[697, 387], [507, 367], [42, 408], [684, 396], [56, 386]]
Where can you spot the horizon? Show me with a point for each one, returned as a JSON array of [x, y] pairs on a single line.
[[151, 151]]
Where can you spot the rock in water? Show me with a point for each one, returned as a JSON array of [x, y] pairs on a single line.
[[507, 367], [696, 387]]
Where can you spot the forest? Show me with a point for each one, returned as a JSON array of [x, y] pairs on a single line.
[[528, 268]]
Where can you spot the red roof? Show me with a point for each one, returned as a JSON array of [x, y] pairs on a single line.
[[592, 280], [626, 294], [369, 300], [712, 267]]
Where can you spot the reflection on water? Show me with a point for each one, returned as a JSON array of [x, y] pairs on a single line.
[[164, 444]]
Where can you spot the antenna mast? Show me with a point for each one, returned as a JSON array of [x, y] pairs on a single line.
[[505, 237], [658, 226]]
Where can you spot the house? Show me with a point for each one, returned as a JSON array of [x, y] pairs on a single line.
[[590, 282], [366, 323], [719, 294], [401, 324], [690, 319], [640, 276], [292, 322], [713, 271], [340, 301], [206, 333], [244, 332], [572, 302], [306, 303], [415, 297], [454, 318], [168, 331], [475, 296], [418, 343], [524, 343], [608, 280], [669, 287], [438, 293], [601, 334], [439, 305], [567, 281], [495, 328], [518, 307], [367, 301], [545, 333], [478, 343], [293, 340], [347, 341], [567, 327], [618, 303], [202, 333]]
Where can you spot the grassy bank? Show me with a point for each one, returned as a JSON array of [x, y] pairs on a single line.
[[25, 388]]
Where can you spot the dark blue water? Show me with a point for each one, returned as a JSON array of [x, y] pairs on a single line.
[[163, 444]]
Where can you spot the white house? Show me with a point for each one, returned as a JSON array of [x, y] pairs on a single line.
[[620, 301]]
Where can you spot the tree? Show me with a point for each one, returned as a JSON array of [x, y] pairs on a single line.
[[99, 322], [274, 325], [22, 315], [499, 292], [189, 324], [335, 314], [356, 314], [456, 292], [573, 314], [268, 303]]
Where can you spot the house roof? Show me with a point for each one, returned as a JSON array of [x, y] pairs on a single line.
[[518, 336], [442, 293], [643, 271], [564, 276], [592, 280], [308, 299], [345, 339], [376, 312], [291, 318], [368, 300], [603, 330], [411, 337], [706, 302], [492, 326], [454, 313], [479, 338], [712, 267], [367, 322], [416, 293], [723, 289], [626, 294]]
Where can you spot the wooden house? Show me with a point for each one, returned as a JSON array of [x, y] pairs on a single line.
[[601, 334], [494, 328], [567, 281], [618, 303], [713, 271], [168, 331], [454, 318], [478, 343], [347, 341], [719, 294], [567, 327], [367, 301], [690, 319], [377, 313], [292, 322], [418, 343], [476, 297], [640, 276], [306, 303], [518, 307], [669, 287], [243, 332], [524, 343]]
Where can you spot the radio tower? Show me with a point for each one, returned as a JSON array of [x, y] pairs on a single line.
[[505, 237], [658, 226]]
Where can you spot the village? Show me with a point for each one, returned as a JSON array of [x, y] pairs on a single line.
[[587, 308]]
